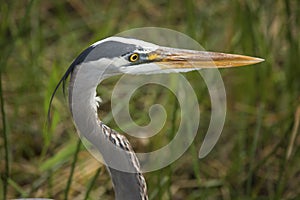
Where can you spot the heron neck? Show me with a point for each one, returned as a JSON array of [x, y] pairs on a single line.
[[127, 179]]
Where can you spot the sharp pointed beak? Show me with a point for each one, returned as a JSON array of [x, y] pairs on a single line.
[[172, 58]]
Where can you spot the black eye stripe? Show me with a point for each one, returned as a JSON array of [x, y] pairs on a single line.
[[125, 54]]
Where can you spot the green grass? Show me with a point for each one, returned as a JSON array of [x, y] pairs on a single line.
[[257, 156]]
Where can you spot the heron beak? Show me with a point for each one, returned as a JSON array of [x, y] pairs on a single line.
[[172, 58]]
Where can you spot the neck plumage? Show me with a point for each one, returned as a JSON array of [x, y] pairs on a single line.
[[115, 149]]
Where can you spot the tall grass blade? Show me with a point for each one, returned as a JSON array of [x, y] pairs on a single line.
[[69, 183]]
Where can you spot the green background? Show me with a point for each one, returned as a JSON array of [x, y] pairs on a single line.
[[257, 156]]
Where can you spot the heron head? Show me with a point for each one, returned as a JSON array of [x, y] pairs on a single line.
[[118, 55]]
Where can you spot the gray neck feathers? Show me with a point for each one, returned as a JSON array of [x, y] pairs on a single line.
[[121, 161]]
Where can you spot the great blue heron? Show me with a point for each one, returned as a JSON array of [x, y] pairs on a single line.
[[117, 55]]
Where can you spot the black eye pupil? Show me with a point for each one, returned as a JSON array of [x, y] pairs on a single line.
[[134, 57]]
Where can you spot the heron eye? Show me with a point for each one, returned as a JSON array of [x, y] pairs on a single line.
[[134, 57]]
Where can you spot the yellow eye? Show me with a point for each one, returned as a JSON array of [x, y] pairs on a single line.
[[134, 57]]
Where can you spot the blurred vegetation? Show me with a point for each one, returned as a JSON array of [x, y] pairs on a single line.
[[258, 154]]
